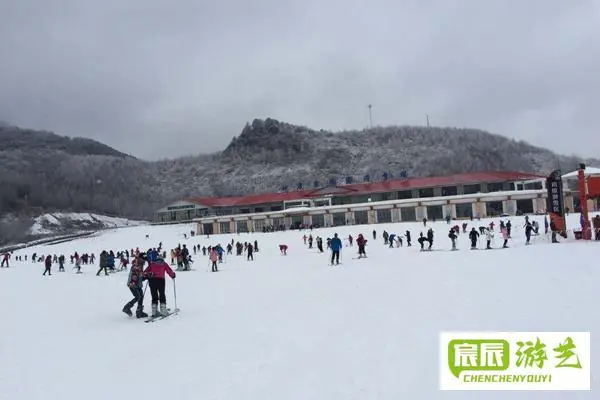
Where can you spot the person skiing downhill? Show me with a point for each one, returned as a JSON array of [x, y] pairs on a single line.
[[452, 236], [361, 242], [528, 231], [155, 273], [489, 236], [135, 282], [474, 236]]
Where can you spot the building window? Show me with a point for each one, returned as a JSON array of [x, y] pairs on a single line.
[[276, 208], [242, 226], [495, 187], [449, 191], [405, 194], [384, 216], [259, 210], [224, 227], [470, 189], [173, 216], [533, 186], [428, 192]]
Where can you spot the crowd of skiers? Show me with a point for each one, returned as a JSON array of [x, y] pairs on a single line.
[[426, 241]]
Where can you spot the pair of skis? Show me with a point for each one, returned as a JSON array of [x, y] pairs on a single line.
[[160, 317]]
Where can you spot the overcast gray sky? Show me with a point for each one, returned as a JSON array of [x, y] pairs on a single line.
[[165, 78]]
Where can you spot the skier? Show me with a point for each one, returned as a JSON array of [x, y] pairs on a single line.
[[474, 236], [489, 236], [103, 263], [430, 238], [421, 241], [283, 248], [135, 284], [407, 235], [320, 244], [255, 246], [336, 246], [385, 237], [361, 242], [155, 273], [350, 240], [374, 234], [214, 258], [48, 264], [185, 259], [508, 228], [77, 264], [452, 236], [504, 231], [528, 230], [391, 240], [250, 250], [61, 263], [5, 258]]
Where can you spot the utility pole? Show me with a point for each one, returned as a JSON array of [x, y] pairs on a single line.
[[370, 116]]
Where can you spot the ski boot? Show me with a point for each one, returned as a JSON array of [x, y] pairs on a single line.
[[127, 311], [163, 309], [155, 312], [140, 314]]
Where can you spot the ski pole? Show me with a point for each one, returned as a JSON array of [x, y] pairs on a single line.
[[175, 295]]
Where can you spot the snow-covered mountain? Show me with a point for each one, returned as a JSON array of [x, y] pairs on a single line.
[[60, 223], [41, 172]]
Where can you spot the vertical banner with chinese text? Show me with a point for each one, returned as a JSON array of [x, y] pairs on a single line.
[[555, 200]]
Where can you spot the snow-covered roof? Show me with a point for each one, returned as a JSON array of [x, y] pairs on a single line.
[[589, 171]]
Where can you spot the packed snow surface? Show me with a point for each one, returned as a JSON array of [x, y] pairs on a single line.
[[286, 327]]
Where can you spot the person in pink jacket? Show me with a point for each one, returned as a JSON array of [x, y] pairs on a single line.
[[504, 232], [214, 257], [155, 273]]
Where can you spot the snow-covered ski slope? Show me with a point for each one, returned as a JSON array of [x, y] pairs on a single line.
[[287, 327]]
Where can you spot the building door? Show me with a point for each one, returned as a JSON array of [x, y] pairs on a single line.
[[384, 216], [361, 217], [435, 212], [464, 210], [208, 229], [525, 206], [408, 214], [318, 220]]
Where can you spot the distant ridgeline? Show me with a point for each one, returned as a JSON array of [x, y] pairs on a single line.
[[345, 180]]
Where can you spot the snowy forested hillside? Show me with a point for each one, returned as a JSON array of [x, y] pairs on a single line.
[[43, 172]]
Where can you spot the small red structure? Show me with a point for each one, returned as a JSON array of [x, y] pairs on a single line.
[[589, 188]]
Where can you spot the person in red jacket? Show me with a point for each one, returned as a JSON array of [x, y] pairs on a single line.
[[361, 242], [155, 273]]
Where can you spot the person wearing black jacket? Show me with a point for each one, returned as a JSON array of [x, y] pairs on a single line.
[[474, 236]]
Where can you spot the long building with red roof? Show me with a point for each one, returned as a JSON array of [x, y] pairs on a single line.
[[434, 190]]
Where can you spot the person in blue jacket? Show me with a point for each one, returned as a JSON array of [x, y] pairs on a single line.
[[110, 261], [336, 246]]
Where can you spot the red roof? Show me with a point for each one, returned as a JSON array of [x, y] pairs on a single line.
[[367, 188]]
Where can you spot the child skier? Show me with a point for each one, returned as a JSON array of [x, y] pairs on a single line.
[[214, 258], [489, 236], [361, 242], [155, 273], [474, 236], [135, 282]]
